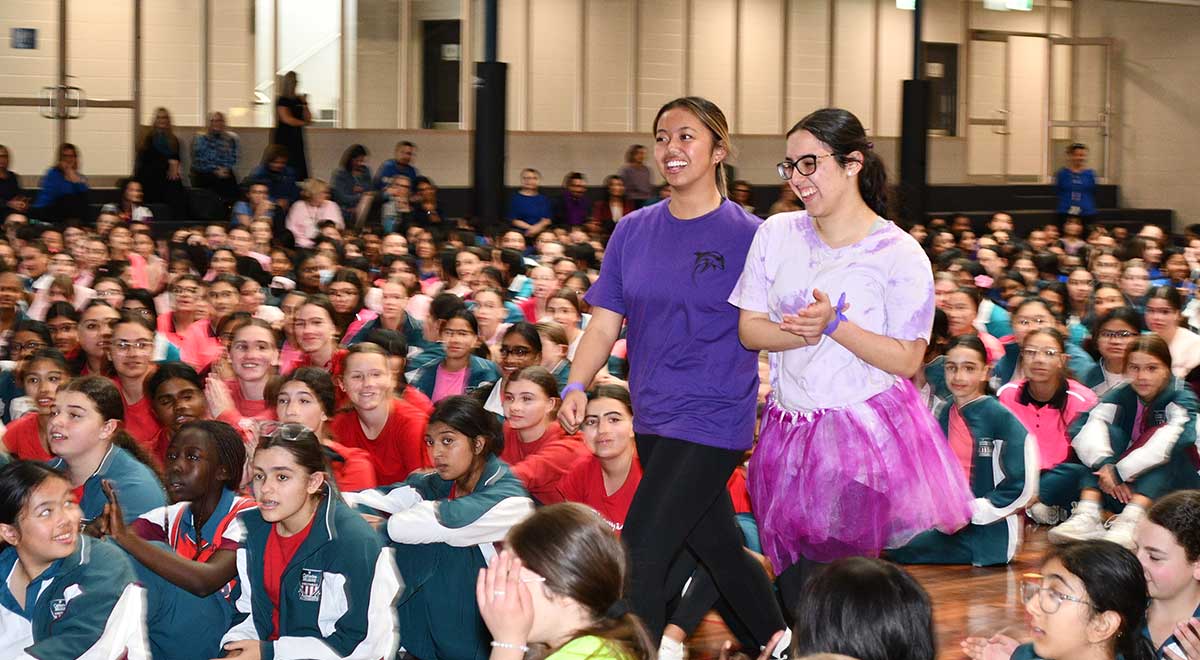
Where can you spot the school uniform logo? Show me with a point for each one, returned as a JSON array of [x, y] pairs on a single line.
[[58, 607], [986, 447], [310, 585]]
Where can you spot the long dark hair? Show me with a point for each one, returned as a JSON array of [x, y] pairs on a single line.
[[467, 415], [1115, 582], [18, 480], [973, 343], [867, 609], [844, 134], [580, 558]]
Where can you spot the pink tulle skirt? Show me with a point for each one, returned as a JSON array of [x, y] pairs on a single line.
[[853, 481]]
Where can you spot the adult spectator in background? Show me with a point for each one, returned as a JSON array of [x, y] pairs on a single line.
[[574, 208], [316, 207], [280, 178], [12, 198], [157, 166], [401, 165], [63, 195], [291, 116], [257, 205], [786, 202], [740, 192], [615, 205], [215, 154], [391, 210], [1076, 185], [427, 212], [636, 176], [529, 210], [351, 183], [130, 208]]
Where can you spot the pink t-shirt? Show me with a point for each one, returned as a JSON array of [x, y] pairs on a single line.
[[961, 442], [449, 383]]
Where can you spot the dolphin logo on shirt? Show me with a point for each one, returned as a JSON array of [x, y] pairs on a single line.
[[707, 261]]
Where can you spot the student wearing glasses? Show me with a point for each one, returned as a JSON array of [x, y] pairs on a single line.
[[184, 325], [520, 347], [141, 303], [1115, 332], [132, 352], [1028, 315]]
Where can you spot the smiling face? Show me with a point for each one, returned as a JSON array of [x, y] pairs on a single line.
[[1043, 358], [368, 381], [314, 329], [966, 373], [828, 187], [516, 354], [1147, 375], [132, 350], [563, 313], [192, 465], [685, 151], [459, 338], [608, 428], [296, 402], [1165, 562], [42, 379], [452, 453], [47, 527], [96, 329], [526, 404], [253, 354], [177, 402]]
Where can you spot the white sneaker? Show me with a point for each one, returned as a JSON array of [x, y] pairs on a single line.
[[1121, 526], [1083, 525], [669, 649], [1044, 514]]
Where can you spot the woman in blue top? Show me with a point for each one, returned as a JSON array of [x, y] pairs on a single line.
[[86, 434], [63, 195], [529, 210], [64, 595], [1076, 185], [668, 272]]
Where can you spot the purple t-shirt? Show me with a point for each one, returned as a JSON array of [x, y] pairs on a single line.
[[690, 378]]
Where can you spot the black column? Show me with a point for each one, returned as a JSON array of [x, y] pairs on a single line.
[[488, 147]]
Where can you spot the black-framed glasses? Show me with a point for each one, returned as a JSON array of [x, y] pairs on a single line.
[[515, 351], [806, 165], [1117, 334]]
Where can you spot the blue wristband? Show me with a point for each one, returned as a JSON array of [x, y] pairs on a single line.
[[572, 387], [838, 316]]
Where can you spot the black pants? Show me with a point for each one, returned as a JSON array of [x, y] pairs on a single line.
[[682, 507], [225, 187]]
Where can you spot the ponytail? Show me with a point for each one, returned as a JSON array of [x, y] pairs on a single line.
[[844, 134]]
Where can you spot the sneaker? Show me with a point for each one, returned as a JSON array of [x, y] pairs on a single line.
[[1121, 526], [670, 649], [1083, 525], [1044, 514]]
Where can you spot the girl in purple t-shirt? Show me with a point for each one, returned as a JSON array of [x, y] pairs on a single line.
[[668, 270], [849, 461]]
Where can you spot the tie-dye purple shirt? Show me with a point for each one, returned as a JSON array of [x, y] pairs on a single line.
[[888, 284], [690, 378]]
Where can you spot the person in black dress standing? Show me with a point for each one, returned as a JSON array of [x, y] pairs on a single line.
[[291, 116]]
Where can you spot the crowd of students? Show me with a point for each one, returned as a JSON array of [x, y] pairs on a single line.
[[303, 437]]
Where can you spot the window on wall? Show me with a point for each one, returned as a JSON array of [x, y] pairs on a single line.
[[310, 42]]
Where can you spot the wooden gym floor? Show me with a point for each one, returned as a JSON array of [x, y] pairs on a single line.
[[967, 601]]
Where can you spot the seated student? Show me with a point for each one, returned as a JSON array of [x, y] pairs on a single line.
[[316, 334], [397, 349], [315, 581], [930, 379], [1164, 317], [544, 284], [141, 301], [441, 308], [63, 321], [306, 397], [520, 347], [864, 608], [559, 584], [1027, 315], [28, 336], [962, 307], [392, 316], [1133, 449], [42, 374], [95, 335], [254, 356], [91, 446], [347, 293], [488, 307], [389, 429], [460, 371], [132, 349], [1088, 601], [554, 351], [443, 524], [185, 554], [535, 446], [978, 428], [185, 326], [1115, 332], [1168, 548], [565, 309], [1047, 402], [49, 565]]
